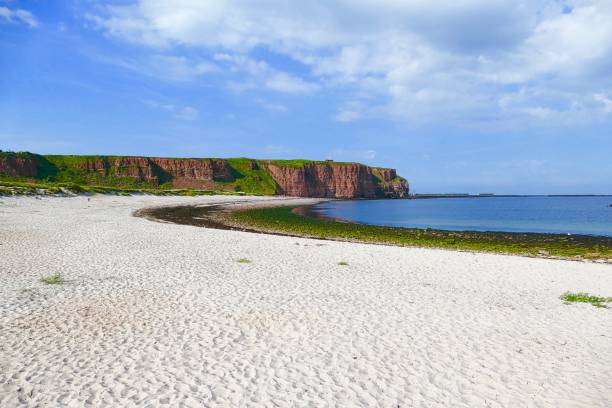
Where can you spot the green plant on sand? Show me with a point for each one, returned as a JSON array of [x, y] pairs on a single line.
[[244, 260], [54, 279], [583, 297], [343, 263]]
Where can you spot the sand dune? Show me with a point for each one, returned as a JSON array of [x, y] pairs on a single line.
[[153, 314]]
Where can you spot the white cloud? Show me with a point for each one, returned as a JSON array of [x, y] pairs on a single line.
[[283, 82], [278, 150], [18, 16], [351, 111], [179, 67], [369, 154], [420, 60], [353, 154], [605, 101], [165, 67], [346, 115], [186, 113], [261, 75], [271, 107], [177, 112]]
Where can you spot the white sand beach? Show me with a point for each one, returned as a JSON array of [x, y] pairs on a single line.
[[156, 314]]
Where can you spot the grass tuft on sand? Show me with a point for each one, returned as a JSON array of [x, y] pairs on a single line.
[[244, 260], [343, 263], [54, 279], [583, 297]]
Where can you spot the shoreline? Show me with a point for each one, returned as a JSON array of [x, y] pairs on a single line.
[[223, 216]]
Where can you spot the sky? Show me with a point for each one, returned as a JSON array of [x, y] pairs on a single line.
[[502, 96]]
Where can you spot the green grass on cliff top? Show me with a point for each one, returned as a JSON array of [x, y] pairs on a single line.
[[75, 160], [297, 163], [17, 154], [285, 220]]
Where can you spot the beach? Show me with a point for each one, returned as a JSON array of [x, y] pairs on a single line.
[[154, 314]]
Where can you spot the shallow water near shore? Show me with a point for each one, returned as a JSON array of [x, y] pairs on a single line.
[[588, 215]]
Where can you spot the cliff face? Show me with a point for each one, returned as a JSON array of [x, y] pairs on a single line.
[[390, 185], [350, 180], [299, 178], [182, 173], [324, 180], [17, 166]]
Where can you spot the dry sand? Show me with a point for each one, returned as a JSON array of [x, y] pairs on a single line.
[[156, 314]]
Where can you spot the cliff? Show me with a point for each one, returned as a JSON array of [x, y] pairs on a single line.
[[347, 180], [18, 165], [300, 178], [154, 171]]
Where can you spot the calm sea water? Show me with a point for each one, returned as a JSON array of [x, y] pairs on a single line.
[[575, 215]]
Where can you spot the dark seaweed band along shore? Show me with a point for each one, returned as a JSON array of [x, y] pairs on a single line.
[[294, 221]]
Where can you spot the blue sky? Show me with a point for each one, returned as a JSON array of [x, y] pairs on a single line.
[[460, 96]]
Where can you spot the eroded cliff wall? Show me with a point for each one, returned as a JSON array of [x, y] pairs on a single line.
[[18, 166], [346, 180], [155, 171], [304, 179]]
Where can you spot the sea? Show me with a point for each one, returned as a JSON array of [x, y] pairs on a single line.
[[584, 215]]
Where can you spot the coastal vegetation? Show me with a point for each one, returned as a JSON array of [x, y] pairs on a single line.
[[54, 279], [249, 178], [244, 260], [14, 188], [582, 297], [285, 220]]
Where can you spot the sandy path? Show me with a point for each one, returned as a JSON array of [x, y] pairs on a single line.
[[159, 314]]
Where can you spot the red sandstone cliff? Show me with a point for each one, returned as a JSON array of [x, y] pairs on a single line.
[[312, 179], [18, 166], [337, 181], [390, 185], [182, 173]]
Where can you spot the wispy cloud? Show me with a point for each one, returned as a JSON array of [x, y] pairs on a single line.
[[353, 154], [163, 67], [262, 76], [284, 82], [278, 150], [271, 107], [605, 101], [177, 112], [18, 16], [346, 115]]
